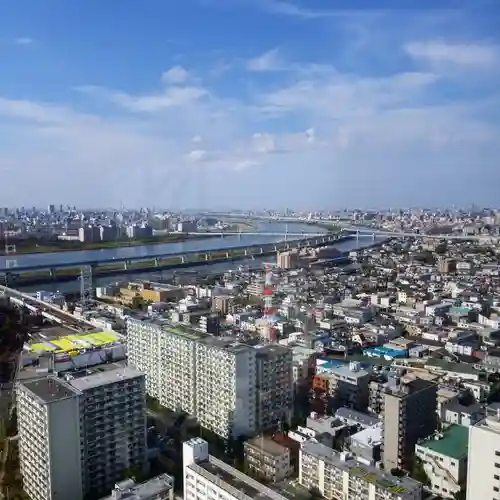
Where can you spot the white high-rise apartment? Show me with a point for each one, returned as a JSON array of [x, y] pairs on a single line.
[[483, 465], [166, 354], [77, 437], [226, 387], [207, 478]]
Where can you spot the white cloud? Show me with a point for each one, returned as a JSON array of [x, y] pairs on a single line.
[[439, 52], [322, 130], [169, 98], [197, 155], [269, 61], [24, 40], [175, 75]]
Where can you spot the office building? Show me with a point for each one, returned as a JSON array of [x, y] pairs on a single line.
[[78, 436], [483, 467], [338, 476], [206, 478], [225, 390], [409, 415], [275, 388]]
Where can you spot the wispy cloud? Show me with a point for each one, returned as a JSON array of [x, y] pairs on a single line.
[[460, 54], [269, 61], [24, 40]]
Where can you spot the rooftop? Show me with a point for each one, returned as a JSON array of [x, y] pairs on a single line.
[[143, 491], [267, 446], [112, 374], [239, 485], [453, 444], [49, 389], [370, 474]]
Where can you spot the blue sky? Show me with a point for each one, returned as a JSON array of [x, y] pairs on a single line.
[[254, 103]]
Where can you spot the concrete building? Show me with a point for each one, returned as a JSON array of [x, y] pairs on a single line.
[[207, 478], [483, 467], [409, 415], [231, 388], [225, 387], [266, 459], [167, 355], [275, 389], [338, 475], [444, 458], [78, 436], [288, 260], [158, 488]]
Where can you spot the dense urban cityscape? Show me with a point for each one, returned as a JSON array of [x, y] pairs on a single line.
[[309, 370], [249, 250]]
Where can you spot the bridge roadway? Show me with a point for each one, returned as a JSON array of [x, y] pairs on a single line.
[[363, 230], [182, 256]]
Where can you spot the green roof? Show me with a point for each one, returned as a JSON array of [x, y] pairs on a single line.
[[451, 367], [453, 444], [185, 332]]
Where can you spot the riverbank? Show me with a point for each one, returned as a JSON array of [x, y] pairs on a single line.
[[34, 246]]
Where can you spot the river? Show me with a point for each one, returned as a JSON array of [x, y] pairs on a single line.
[[54, 258], [73, 286]]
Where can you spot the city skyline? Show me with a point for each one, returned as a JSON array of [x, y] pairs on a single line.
[[219, 103]]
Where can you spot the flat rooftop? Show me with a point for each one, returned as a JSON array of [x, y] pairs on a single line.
[[50, 389], [370, 474], [453, 444], [233, 481], [267, 446], [152, 488], [105, 374]]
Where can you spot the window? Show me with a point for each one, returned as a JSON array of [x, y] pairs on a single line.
[[496, 488]]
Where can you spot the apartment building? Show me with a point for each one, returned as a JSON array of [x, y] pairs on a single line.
[[338, 476], [444, 458], [167, 355], [226, 387], [157, 488], [275, 387], [232, 389], [267, 459], [409, 415], [483, 466], [78, 436], [207, 478]]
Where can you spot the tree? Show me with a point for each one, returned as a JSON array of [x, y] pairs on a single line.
[[418, 472]]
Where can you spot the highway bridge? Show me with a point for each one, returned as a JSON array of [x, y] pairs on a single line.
[[362, 231], [159, 259]]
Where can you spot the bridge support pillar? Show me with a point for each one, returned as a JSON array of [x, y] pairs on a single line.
[[261, 250], [157, 262], [246, 251], [227, 255], [207, 256], [357, 235], [373, 236], [52, 272], [183, 259]]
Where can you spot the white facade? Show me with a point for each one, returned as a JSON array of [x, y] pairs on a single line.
[[337, 475], [167, 356], [207, 478], [225, 392], [49, 441], [78, 436], [483, 470]]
